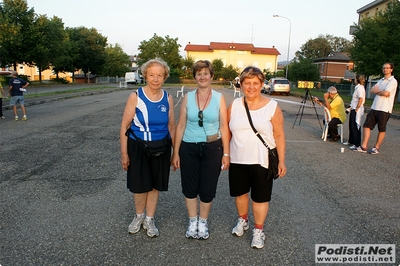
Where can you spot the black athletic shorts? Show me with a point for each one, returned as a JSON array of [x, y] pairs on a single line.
[[377, 117], [245, 177]]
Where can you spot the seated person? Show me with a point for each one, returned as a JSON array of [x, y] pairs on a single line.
[[237, 83], [337, 110]]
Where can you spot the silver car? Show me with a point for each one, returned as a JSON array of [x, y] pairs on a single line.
[[280, 85]]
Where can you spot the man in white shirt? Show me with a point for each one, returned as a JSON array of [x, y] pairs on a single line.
[[382, 106]]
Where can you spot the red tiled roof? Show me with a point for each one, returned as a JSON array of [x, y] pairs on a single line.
[[230, 46]]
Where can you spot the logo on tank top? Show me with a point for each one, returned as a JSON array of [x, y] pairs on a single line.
[[162, 108]]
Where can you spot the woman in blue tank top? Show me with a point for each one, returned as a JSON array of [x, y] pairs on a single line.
[[201, 147], [149, 116]]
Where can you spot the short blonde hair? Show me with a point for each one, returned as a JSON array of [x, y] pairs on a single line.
[[152, 62]]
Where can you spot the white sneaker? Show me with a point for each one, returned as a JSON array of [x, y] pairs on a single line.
[[135, 225], [150, 227], [258, 238], [202, 230], [191, 231], [241, 226]]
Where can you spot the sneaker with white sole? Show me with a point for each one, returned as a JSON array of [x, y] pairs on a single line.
[[24, 118], [191, 231], [361, 149], [374, 150], [202, 230], [258, 238], [16, 118], [150, 227], [241, 226], [353, 147], [135, 225]]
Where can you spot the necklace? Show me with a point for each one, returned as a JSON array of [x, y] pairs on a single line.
[[198, 102]]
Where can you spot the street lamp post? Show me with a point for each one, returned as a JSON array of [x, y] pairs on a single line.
[[288, 48]]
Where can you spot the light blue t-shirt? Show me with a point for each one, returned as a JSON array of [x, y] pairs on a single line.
[[195, 133]]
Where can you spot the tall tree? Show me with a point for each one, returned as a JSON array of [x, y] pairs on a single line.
[[376, 41], [88, 49], [50, 45], [165, 48], [116, 61], [16, 22], [322, 46]]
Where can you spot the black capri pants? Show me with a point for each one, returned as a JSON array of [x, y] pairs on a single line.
[[200, 168]]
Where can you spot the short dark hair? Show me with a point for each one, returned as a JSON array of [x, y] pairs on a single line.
[[199, 65]]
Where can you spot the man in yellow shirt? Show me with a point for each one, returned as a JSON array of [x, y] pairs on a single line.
[[336, 107]]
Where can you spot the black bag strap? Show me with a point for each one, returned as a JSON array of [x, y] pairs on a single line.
[[252, 126]]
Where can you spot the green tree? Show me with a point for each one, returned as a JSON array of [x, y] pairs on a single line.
[[218, 65], [165, 48], [49, 48], [187, 67], [16, 41], [322, 46], [229, 73], [88, 49], [303, 69], [117, 61], [376, 41]]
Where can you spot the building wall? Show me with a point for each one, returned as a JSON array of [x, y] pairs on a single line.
[[47, 74], [238, 59], [333, 71], [374, 8]]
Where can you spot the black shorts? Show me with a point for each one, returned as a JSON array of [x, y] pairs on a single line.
[[243, 177], [377, 117], [200, 169], [147, 173]]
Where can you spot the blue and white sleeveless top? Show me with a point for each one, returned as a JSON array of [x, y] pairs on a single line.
[[195, 133], [151, 119]]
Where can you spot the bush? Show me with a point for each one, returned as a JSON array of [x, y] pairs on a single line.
[[60, 80]]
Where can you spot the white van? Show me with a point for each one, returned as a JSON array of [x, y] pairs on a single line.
[[133, 78]]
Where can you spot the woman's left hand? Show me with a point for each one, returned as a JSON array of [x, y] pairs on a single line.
[[281, 169]]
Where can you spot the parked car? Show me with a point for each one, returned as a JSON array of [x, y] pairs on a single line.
[[266, 86], [280, 85]]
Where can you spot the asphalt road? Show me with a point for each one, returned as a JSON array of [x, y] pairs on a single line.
[[64, 199]]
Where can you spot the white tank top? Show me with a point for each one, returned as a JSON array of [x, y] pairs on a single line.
[[245, 146]]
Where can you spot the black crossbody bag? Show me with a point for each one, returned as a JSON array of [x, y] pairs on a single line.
[[273, 159]]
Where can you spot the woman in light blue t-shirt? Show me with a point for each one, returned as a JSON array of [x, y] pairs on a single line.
[[201, 148]]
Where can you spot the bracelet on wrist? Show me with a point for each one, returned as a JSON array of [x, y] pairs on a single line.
[[226, 154]]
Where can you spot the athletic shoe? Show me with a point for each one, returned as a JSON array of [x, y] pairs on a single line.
[[3, 117], [24, 118], [16, 118], [191, 231], [353, 147], [202, 232], [361, 149], [148, 224], [241, 226], [346, 143], [258, 238], [135, 225], [373, 151]]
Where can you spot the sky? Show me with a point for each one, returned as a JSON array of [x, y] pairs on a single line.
[[129, 22]]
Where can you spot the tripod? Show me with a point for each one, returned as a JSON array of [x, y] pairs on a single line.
[[303, 103]]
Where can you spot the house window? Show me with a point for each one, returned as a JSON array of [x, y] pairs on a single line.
[[240, 52]]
